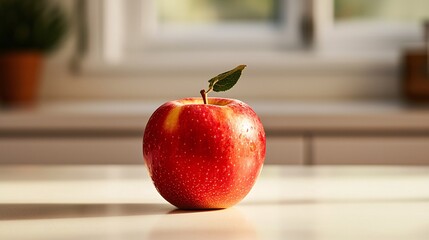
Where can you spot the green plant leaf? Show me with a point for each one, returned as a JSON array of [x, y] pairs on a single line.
[[37, 25], [226, 80]]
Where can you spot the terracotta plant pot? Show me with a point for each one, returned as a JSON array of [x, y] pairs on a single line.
[[19, 78]]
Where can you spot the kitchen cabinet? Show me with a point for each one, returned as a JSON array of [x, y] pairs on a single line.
[[409, 150]]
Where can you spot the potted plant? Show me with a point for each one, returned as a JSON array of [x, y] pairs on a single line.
[[28, 30]]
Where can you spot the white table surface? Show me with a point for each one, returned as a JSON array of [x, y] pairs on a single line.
[[120, 202]]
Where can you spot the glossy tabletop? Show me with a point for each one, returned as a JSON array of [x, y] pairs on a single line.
[[120, 202]]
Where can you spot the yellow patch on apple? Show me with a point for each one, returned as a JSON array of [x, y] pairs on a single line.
[[170, 123]]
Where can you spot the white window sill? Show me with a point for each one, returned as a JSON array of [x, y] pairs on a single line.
[[262, 61]]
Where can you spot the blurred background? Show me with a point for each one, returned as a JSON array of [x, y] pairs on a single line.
[[334, 81]]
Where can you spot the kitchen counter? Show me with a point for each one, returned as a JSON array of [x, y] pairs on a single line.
[[120, 202], [277, 116]]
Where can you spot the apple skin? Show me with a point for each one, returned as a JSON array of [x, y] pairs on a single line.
[[204, 156]]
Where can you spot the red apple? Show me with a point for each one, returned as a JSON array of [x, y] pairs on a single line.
[[204, 156]]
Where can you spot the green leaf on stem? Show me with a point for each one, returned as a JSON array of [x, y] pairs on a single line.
[[226, 80]]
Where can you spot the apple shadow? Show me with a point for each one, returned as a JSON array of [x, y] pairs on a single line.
[[28, 211], [190, 211]]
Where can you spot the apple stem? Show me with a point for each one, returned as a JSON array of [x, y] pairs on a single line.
[[204, 95]]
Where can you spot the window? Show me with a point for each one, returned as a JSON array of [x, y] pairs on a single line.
[[212, 24], [191, 12], [144, 32], [376, 28], [135, 30], [381, 10]]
